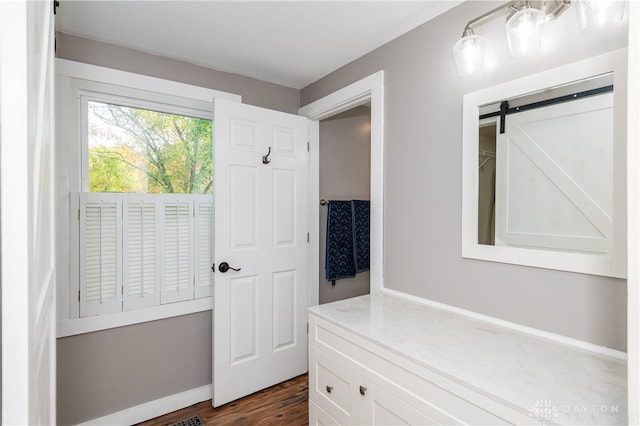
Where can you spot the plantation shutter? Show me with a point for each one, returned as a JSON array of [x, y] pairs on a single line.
[[100, 254], [140, 247], [143, 250], [203, 245], [177, 276]]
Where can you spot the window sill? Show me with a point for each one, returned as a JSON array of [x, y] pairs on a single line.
[[72, 327]]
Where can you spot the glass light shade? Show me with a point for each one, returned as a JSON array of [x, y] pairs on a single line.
[[524, 31], [596, 14], [468, 53]]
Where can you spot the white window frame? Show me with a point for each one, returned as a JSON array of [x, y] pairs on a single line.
[[73, 82]]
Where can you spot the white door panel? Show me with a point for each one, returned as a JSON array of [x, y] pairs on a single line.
[[243, 327], [284, 201], [243, 207], [261, 227], [28, 283], [284, 308]]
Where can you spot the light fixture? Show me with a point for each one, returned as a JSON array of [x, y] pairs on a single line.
[[524, 31], [596, 14], [468, 53]]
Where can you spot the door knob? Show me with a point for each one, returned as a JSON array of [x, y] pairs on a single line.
[[224, 267]]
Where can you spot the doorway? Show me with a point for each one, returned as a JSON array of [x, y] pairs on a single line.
[[345, 174], [369, 90]]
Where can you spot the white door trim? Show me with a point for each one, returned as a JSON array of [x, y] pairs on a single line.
[[26, 192], [633, 214], [15, 220], [369, 89]]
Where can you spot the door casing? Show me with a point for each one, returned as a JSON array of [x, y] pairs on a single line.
[[367, 90], [28, 255]]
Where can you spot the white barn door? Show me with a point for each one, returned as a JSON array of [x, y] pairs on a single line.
[[261, 167], [26, 167], [554, 175]]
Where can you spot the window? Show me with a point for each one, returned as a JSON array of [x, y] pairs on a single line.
[[142, 151], [146, 218], [132, 244], [134, 197]]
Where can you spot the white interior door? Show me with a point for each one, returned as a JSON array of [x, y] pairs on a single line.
[[261, 229], [26, 141]]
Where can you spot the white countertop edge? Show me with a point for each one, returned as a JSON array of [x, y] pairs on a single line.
[[580, 344]]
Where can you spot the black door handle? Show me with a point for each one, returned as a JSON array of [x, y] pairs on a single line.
[[224, 267]]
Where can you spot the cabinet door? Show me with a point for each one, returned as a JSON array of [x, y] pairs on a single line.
[[330, 386], [382, 407]]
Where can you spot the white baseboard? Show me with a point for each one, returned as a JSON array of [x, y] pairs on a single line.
[[152, 409], [529, 330]]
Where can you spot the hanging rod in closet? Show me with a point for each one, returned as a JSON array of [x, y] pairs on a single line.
[[324, 202]]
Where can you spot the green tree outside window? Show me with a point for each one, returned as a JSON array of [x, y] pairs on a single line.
[[142, 151]]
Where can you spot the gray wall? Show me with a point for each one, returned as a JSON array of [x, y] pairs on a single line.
[[253, 92], [345, 163], [108, 371], [422, 230]]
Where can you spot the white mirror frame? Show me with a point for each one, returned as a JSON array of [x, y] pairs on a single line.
[[614, 265]]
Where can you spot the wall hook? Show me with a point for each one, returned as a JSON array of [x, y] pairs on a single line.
[[265, 158]]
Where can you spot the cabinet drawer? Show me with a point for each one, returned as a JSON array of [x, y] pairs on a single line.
[[329, 385], [319, 417]]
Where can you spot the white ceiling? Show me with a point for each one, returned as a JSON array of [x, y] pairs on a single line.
[[292, 43]]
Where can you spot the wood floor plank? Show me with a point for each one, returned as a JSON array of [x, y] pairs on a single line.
[[282, 404]]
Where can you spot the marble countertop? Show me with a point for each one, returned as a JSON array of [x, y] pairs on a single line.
[[552, 381]]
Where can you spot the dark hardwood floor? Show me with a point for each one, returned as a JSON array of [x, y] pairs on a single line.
[[282, 404]]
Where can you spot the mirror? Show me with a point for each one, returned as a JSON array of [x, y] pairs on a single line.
[[544, 169]]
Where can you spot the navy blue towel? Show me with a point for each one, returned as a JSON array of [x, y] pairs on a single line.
[[347, 249], [339, 261], [361, 234]]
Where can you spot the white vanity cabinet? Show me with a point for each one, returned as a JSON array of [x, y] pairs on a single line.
[[385, 360], [354, 383]]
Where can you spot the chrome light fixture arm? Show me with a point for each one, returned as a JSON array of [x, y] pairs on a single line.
[[551, 8], [468, 29], [524, 30]]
